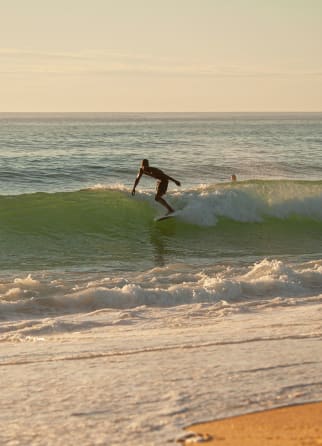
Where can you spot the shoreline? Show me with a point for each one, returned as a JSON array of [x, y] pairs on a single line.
[[294, 425], [140, 376]]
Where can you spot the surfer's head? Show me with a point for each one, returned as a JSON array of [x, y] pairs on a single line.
[[233, 177], [145, 163]]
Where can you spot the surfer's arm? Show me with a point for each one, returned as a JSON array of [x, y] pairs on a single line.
[[137, 179], [175, 181]]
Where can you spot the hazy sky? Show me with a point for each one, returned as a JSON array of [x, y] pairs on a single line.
[[161, 55]]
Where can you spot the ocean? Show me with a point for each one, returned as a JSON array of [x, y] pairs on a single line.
[[182, 314]]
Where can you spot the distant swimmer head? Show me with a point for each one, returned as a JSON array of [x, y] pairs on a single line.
[[233, 177], [145, 163]]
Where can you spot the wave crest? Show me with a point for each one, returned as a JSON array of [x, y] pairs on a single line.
[[263, 284]]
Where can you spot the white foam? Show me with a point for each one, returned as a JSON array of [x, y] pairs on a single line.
[[249, 202], [114, 187], [162, 287]]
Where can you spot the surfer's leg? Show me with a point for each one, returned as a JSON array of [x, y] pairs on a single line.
[[164, 203], [162, 187]]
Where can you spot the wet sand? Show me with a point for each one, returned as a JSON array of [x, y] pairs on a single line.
[[299, 425]]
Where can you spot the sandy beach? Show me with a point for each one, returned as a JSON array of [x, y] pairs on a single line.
[[286, 426]]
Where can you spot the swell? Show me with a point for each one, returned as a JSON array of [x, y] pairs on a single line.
[[68, 212], [99, 209], [107, 226]]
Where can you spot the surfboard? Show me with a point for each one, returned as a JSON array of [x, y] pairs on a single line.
[[165, 217]]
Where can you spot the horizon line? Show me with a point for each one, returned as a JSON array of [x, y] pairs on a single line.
[[164, 112]]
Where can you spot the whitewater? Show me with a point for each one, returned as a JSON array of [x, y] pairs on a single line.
[[117, 329]]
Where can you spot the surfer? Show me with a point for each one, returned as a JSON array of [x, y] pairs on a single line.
[[162, 183]]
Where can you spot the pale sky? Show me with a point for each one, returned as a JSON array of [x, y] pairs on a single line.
[[160, 55]]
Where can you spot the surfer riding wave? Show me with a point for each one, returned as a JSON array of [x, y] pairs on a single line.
[[162, 182]]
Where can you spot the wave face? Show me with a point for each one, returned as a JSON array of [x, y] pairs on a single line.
[[104, 227]]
